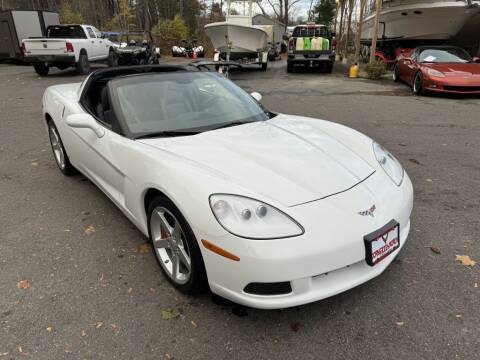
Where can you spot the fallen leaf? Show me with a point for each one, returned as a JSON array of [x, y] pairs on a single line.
[[400, 323], [458, 316], [49, 329], [34, 163], [4, 354], [68, 351], [167, 355], [113, 326], [435, 249], [21, 352], [90, 230], [84, 333], [475, 285], [168, 314], [465, 260], [99, 324], [152, 290], [429, 180], [194, 324], [129, 291], [415, 161], [295, 326], [143, 248], [23, 284]]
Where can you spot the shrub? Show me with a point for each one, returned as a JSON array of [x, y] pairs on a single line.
[[375, 69], [170, 32]]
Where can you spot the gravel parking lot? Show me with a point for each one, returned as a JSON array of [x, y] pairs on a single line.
[[79, 282]]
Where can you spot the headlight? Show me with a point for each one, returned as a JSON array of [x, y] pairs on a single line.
[[252, 219], [436, 73], [388, 162]]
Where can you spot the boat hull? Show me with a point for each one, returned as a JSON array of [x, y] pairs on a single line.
[[245, 40], [420, 21]]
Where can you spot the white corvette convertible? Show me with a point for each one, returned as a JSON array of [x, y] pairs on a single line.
[[268, 210]]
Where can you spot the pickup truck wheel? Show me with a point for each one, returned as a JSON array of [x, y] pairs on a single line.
[[112, 59], [83, 65], [329, 68], [41, 69]]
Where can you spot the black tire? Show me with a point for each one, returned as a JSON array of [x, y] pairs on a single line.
[[329, 67], [112, 59], [41, 69], [56, 143], [264, 66], [290, 67], [396, 76], [197, 281], [83, 65], [418, 84]]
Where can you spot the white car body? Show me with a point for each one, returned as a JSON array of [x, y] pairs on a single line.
[[320, 173], [55, 50]]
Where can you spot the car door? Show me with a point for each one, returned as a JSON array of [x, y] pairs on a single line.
[[93, 44], [102, 44]]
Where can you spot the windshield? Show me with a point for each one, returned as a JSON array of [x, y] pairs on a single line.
[[66, 32], [447, 55], [181, 101]]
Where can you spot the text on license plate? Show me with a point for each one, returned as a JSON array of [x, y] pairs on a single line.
[[382, 243]]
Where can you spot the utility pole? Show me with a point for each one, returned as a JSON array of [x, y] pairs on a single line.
[[359, 31], [375, 31]]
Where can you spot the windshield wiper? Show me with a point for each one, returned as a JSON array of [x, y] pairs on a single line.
[[168, 133], [233, 123]]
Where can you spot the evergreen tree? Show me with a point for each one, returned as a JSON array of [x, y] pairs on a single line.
[[325, 11]]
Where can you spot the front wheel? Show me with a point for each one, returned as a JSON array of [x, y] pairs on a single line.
[[83, 65], [41, 69], [59, 153], [418, 84], [396, 73], [175, 246], [112, 59]]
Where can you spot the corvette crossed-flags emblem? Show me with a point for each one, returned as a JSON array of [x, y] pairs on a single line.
[[369, 212]]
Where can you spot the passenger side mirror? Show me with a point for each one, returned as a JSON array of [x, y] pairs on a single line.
[[476, 59], [257, 96], [85, 121]]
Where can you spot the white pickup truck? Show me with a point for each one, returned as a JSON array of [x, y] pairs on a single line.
[[68, 45]]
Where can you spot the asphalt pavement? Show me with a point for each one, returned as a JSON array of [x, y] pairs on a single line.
[[77, 280]]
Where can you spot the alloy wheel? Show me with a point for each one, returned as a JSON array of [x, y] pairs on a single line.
[[170, 245], [57, 147]]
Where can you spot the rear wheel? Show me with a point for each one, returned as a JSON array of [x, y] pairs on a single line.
[[175, 246], [41, 69], [290, 67], [329, 68], [418, 84], [83, 65], [59, 153]]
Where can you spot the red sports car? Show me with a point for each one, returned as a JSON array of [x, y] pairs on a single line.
[[446, 69]]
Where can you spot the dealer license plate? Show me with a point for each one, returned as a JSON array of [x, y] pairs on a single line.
[[381, 243]]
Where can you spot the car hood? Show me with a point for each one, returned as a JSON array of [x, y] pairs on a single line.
[[460, 70], [285, 158]]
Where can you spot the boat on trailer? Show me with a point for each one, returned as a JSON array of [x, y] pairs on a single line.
[[237, 38]]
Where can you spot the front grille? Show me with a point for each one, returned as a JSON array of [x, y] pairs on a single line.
[[462, 88], [278, 288]]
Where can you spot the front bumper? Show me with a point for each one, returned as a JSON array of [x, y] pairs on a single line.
[[328, 259], [452, 86]]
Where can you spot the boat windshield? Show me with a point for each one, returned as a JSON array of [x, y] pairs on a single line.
[[446, 55]]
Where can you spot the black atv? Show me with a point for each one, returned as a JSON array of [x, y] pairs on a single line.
[[131, 53]]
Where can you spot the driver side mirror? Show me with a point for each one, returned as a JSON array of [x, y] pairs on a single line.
[[257, 96], [476, 59], [85, 121]]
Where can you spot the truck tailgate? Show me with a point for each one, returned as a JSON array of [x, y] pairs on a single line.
[[45, 47]]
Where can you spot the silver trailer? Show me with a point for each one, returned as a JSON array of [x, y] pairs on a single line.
[[16, 25]]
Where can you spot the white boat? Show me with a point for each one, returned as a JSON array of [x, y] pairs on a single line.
[[237, 35], [419, 19]]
